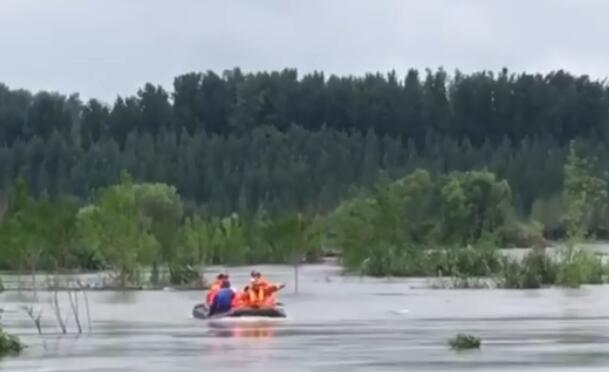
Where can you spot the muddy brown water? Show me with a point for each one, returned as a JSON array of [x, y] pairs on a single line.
[[335, 323]]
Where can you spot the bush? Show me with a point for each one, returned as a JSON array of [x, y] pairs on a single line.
[[86, 258], [573, 268], [579, 267], [533, 271], [1, 286], [9, 345], [463, 342], [412, 261], [183, 274]]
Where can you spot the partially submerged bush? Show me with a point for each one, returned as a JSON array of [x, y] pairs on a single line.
[[418, 225], [184, 275], [533, 271], [9, 345], [463, 342], [572, 268], [579, 267], [457, 262]]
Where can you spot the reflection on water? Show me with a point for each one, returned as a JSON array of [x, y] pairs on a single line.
[[237, 331], [342, 324]]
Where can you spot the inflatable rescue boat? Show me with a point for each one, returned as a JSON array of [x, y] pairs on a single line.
[[201, 311]]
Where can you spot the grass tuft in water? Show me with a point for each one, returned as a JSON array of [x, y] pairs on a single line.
[[464, 342]]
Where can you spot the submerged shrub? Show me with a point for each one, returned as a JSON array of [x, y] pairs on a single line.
[[579, 267], [183, 274], [463, 342], [535, 270], [9, 345], [413, 261], [571, 269]]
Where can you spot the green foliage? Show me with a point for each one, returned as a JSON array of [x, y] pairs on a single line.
[[471, 204], [113, 225], [580, 267], [161, 211], [229, 243], [37, 233], [391, 229], [535, 270], [9, 345], [289, 238], [463, 342], [320, 136], [571, 268], [194, 242], [411, 261], [582, 193], [180, 274]]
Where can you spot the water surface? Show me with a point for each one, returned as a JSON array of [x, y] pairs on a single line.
[[335, 323]]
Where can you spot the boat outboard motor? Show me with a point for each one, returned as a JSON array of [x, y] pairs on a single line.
[[200, 311]]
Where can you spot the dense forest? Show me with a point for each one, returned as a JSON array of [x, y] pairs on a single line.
[[236, 142], [269, 167]]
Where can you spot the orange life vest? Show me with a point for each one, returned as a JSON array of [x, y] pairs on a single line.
[[213, 290], [262, 296], [256, 297]]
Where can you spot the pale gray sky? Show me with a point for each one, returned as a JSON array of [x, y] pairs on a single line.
[[101, 48]]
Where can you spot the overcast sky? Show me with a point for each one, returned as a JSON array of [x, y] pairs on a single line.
[[101, 48]]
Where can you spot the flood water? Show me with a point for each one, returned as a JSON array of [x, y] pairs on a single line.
[[335, 323]]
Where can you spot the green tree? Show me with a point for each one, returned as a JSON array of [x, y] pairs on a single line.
[[161, 210], [114, 226], [583, 192]]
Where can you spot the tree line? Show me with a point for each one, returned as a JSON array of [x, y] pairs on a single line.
[[479, 106], [295, 170], [424, 224], [127, 226], [236, 142]]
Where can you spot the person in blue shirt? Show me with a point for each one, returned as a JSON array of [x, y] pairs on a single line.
[[223, 300]]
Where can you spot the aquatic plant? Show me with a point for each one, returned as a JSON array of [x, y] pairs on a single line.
[[534, 270], [463, 342], [579, 267], [9, 345], [572, 268]]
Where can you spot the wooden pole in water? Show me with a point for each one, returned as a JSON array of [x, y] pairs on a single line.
[[295, 258], [296, 277]]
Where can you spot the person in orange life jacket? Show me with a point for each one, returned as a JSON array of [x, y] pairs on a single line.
[[257, 277], [262, 296], [215, 287], [223, 300], [241, 298]]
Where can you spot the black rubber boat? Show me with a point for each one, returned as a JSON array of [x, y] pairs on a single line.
[[201, 311]]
